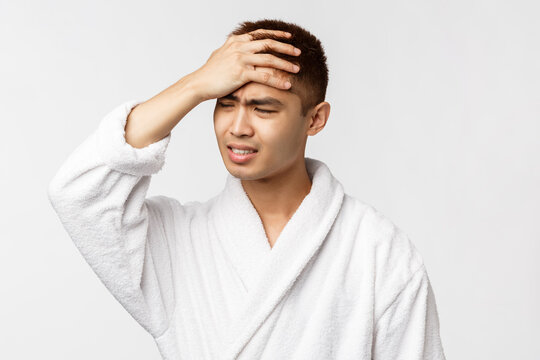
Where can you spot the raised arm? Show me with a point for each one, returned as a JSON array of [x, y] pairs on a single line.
[[99, 193]]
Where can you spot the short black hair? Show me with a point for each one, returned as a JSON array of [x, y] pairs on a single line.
[[311, 81]]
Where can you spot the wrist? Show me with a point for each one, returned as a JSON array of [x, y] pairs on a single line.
[[192, 86]]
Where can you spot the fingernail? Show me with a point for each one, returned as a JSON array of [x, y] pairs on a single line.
[[287, 84], [297, 51]]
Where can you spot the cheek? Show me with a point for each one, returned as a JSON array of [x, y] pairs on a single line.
[[220, 125], [282, 139]]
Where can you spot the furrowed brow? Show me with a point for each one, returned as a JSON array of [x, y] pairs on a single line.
[[263, 101]]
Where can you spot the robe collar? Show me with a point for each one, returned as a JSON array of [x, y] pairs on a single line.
[[268, 272]]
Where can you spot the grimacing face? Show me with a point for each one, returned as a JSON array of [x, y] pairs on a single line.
[[277, 131]]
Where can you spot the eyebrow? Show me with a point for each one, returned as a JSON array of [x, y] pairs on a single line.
[[263, 101]]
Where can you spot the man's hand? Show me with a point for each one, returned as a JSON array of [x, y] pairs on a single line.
[[228, 68], [234, 64]]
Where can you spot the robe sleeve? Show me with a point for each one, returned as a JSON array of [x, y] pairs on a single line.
[[99, 195], [409, 327]]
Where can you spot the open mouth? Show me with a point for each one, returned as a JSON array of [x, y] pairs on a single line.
[[241, 156], [240, 151]]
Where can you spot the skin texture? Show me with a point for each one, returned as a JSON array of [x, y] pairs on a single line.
[[276, 179]]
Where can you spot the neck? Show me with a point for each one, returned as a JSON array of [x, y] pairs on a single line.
[[277, 197]]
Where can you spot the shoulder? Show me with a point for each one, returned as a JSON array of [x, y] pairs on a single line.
[[390, 243], [394, 258]]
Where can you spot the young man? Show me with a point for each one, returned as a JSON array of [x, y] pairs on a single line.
[[281, 264]]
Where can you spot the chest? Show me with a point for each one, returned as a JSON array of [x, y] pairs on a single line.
[[273, 230], [320, 300], [265, 289], [321, 315]]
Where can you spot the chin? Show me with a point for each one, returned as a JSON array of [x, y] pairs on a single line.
[[242, 171], [242, 174]]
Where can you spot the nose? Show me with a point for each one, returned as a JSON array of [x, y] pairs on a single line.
[[241, 124]]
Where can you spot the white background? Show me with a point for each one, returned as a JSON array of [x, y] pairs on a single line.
[[435, 121]]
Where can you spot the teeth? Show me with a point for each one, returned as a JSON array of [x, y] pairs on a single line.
[[238, 151]]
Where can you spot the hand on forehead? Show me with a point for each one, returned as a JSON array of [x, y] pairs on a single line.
[[276, 72]]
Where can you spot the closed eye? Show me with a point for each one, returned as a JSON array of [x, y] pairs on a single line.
[[264, 111], [260, 110]]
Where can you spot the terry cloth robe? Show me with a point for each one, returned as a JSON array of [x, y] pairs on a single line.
[[341, 282]]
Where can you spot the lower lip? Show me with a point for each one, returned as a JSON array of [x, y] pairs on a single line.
[[240, 158]]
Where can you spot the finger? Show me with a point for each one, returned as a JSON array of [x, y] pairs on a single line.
[[270, 32], [267, 78], [271, 44], [248, 37], [269, 60]]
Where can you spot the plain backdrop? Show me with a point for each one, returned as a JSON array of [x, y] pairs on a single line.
[[435, 121]]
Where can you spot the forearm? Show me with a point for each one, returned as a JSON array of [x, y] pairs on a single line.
[[100, 196], [155, 118]]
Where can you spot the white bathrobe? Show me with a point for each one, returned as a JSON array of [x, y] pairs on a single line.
[[341, 282]]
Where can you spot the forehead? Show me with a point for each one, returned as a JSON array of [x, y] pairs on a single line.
[[257, 93]]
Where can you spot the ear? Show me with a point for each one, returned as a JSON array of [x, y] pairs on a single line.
[[318, 118]]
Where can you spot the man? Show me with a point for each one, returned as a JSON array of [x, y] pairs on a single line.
[[282, 264]]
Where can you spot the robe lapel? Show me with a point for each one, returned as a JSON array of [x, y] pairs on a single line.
[[240, 230], [268, 273]]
